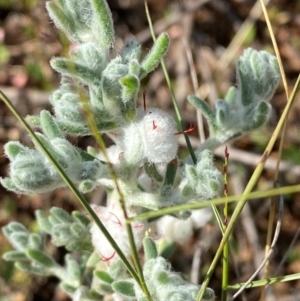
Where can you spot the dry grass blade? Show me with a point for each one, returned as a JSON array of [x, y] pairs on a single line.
[[285, 257], [272, 209], [276, 235], [240, 36], [195, 87]]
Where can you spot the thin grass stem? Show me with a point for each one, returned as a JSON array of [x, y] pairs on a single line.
[[269, 281], [272, 207], [180, 120], [98, 137], [225, 261], [217, 201], [268, 255]]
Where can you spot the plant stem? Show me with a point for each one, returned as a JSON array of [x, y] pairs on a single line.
[[188, 143], [225, 222], [97, 135]]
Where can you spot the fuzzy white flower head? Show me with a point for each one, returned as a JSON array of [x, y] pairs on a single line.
[[158, 133], [175, 230], [150, 136], [132, 144], [113, 219]]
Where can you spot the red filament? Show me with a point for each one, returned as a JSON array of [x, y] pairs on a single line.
[[154, 125], [190, 129]]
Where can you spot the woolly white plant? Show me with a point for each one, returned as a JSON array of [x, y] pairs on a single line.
[[171, 229], [149, 137], [140, 172], [112, 217]]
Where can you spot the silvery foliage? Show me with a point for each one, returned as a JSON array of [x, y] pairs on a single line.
[[245, 107], [144, 145]]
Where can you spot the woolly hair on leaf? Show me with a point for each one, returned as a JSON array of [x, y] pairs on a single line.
[[151, 136], [113, 219], [129, 146], [158, 130], [33, 174], [132, 144], [180, 231]]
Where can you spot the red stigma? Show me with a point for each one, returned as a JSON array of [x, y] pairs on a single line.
[[118, 221], [138, 226], [154, 125], [105, 259], [226, 152], [190, 129]]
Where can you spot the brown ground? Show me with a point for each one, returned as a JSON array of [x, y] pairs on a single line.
[[206, 28]]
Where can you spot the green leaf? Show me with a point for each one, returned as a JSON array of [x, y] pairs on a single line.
[[33, 120], [156, 53], [66, 287], [245, 83], [170, 174], [124, 287], [9, 184], [43, 221], [35, 241], [27, 267], [207, 112], [41, 258], [130, 84], [49, 146], [93, 260], [77, 230], [19, 240], [54, 221], [131, 52], [14, 148], [80, 245], [73, 128], [61, 234], [191, 173], [102, 26], [15, 256], [151, 171], [134, 68], [61, 19], [85, 156], [69, 68], [81, 218], [73, 269], [17, 227], [128, 110], [49, 125], [163, 278], [61, 215], [103, 276], [87, 186], [261, 114], [230, 95], [209, 294], [221, 113], [149, 248], [105, 288]]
